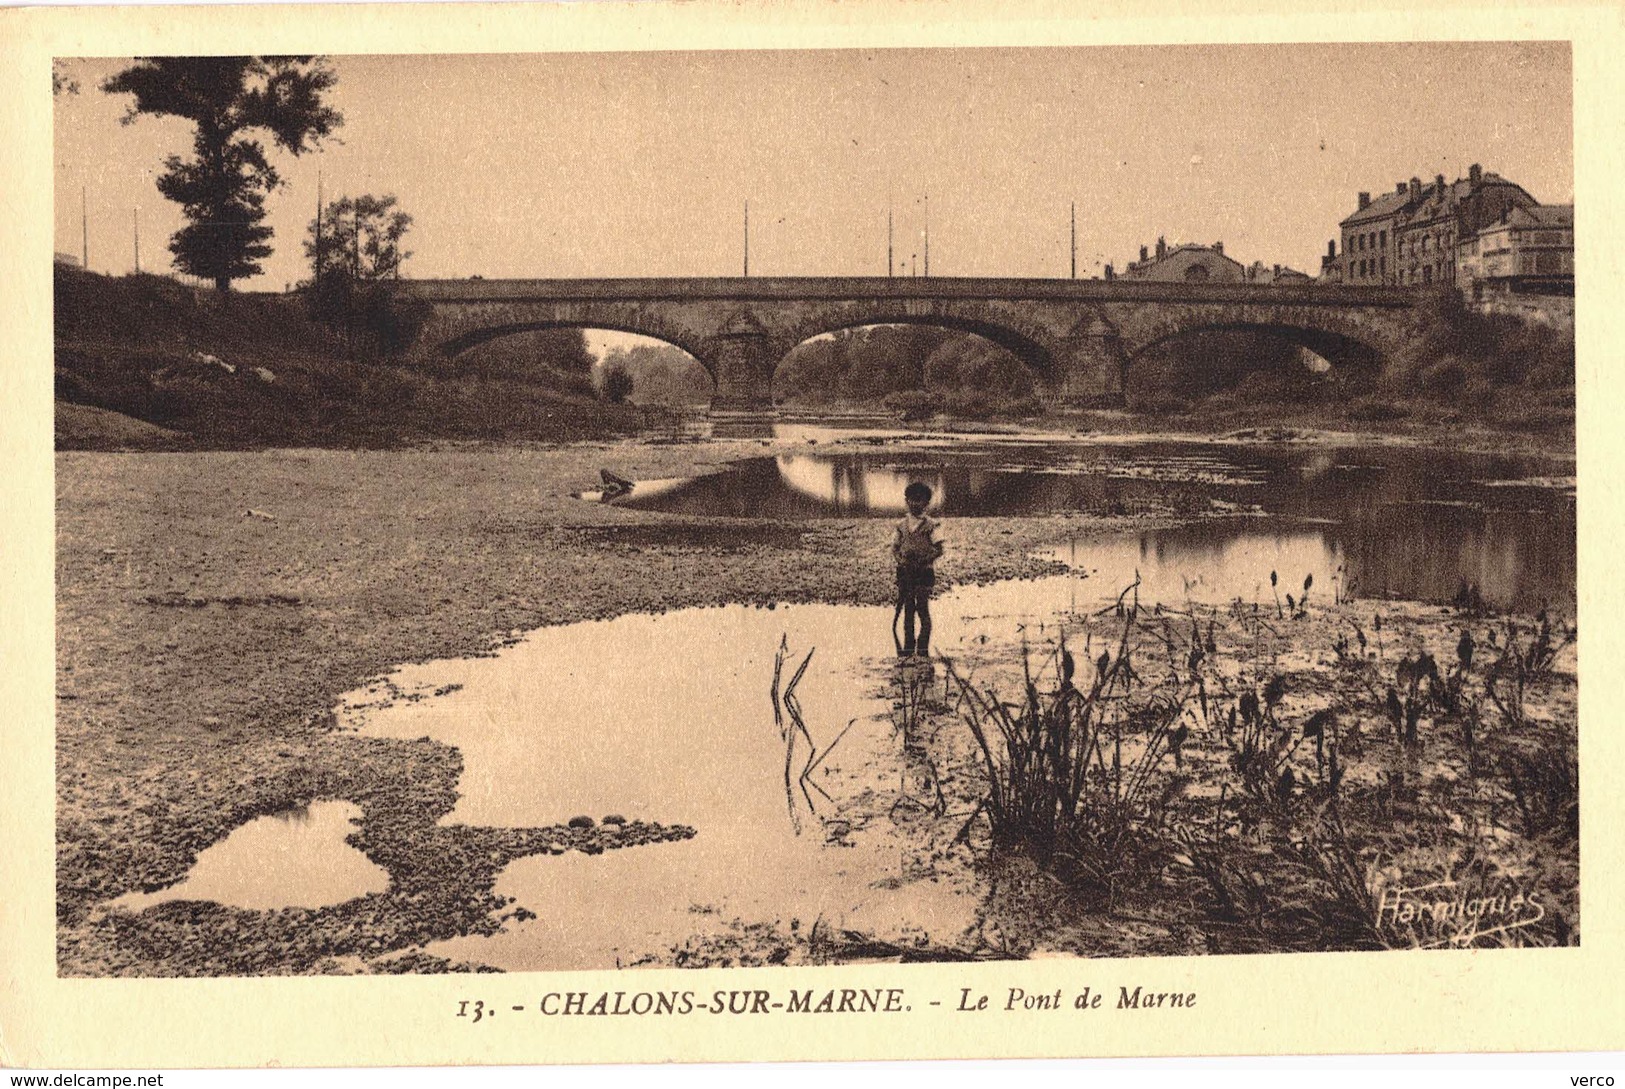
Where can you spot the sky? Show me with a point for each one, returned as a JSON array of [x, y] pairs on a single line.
[[639, 164]]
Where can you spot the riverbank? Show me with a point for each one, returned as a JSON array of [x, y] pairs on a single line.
[[212, 607]]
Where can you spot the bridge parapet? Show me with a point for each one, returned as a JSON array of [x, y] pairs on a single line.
[[1078, 336]]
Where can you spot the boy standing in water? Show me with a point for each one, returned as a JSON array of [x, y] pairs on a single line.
[[916, 548]]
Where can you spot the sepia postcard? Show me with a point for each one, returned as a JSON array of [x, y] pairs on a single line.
[[647, 532]]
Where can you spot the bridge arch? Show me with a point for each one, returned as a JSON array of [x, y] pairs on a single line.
[[473, 338], [1031, 348], [1011, 366], [1341, 350]]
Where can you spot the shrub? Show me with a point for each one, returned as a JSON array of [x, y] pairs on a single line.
[[1376, 410], [914, 404], [617, 384]]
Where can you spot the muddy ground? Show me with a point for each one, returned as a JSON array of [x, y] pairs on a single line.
[[212, 606]]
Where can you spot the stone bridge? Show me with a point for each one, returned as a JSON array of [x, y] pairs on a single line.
[[1078, 336]]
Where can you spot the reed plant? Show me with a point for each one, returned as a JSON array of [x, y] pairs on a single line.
[[1076, 771]]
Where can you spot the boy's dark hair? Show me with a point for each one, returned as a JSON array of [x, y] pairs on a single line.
[[919, 490]]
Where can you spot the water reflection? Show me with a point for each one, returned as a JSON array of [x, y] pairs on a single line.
[[1405, 523], [669, 718], [297, 858]]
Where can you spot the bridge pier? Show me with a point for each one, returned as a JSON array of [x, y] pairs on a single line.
[[743, 357], [1088, 367]]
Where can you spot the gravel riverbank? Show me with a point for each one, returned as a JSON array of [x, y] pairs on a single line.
[[212, 606]]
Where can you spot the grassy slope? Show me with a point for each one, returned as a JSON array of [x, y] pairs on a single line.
[[129, 345]]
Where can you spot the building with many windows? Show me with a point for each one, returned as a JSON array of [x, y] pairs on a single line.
[[1527, 251], [1408, 236]]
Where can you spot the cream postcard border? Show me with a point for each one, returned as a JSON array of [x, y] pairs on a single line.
[[1518, 1000]]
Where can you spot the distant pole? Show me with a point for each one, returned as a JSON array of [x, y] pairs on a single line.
[[84, 229], [316, 280], [928, 234], [1074, 240], [747, 240], [888, 243], [135, 219]]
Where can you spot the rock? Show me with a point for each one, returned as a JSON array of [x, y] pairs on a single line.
[[265, 374]]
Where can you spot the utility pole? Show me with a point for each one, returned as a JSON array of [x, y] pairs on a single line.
[[928, 234], [888, 242], [747, 240], [135, 219], [317, 279], [1074, 240], [84, 229]]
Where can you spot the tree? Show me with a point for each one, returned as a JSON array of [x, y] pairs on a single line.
[[359, 238], [355, 253], [617, 384], [222, 190], [61, 82]]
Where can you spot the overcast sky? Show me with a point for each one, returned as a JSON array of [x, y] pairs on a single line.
[[638, 164]]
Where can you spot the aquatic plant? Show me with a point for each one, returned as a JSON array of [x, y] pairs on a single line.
[[1074, 773], [1308, 888], [1545, 786], [788, 718], [1520, 664]]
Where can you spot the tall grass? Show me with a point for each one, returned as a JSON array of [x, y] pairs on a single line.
[[1074, 772]]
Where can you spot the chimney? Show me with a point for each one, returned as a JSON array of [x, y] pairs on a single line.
[[1416, 189], [1162, 248], [1331, 247], [1399, 189], [1111, 273], [1365, 199], [1218, 248], [1475, 175], [1277, 272], [1438, 182], [1145, 255]]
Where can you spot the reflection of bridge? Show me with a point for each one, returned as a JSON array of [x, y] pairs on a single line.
[[1078, 336]]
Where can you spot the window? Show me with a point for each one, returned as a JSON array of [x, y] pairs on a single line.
[[1382, 239], [1424, 243], [1382, 266], [1427, 275]]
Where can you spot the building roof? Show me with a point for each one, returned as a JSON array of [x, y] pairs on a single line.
[[1140, 268], [1380, 208], [1392, 202], [1538, 215]]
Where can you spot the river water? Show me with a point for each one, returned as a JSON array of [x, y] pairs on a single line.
[[1385, 522], [668, 718]]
